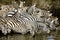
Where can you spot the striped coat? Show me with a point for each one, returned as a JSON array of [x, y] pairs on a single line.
[[8, 24]]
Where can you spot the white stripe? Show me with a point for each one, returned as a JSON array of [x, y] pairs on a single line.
[[12, 23]]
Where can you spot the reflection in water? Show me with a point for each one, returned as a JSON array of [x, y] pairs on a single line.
[[28, 37], [51, 37]]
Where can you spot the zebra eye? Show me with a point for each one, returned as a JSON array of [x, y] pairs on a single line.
[[37, 11]]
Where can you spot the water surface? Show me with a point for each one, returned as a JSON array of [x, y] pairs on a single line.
[[52, 36]]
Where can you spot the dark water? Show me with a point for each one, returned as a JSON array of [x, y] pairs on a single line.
[[52, 36]]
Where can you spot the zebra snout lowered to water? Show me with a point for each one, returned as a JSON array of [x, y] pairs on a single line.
[[43, 28]]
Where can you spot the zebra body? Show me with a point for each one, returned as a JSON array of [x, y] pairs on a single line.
[[9, 24]]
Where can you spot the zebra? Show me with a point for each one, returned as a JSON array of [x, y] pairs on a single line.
[[8, 24], [54, 23], [32, 9], [3, 26], [41, 16], [43, 27]]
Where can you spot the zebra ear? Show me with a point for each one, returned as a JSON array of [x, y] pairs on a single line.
[[34, 4], [50, 14], [56, 19], [24, 1]]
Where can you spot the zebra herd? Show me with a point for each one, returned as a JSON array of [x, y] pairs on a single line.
[[34, 20]]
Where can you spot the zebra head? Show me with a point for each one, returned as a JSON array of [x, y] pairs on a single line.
[[54, 23], [43, 28], [21, 4]]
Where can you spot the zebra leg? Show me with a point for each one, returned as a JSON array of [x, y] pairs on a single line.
[[4, 31], [32, 32], [8, 30]]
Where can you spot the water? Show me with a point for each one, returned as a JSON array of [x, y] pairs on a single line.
[[52, 36]]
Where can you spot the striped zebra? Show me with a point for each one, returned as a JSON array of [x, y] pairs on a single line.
[[28, 20], [43, 27], [43, 16], [53, 22], [8, 24]]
